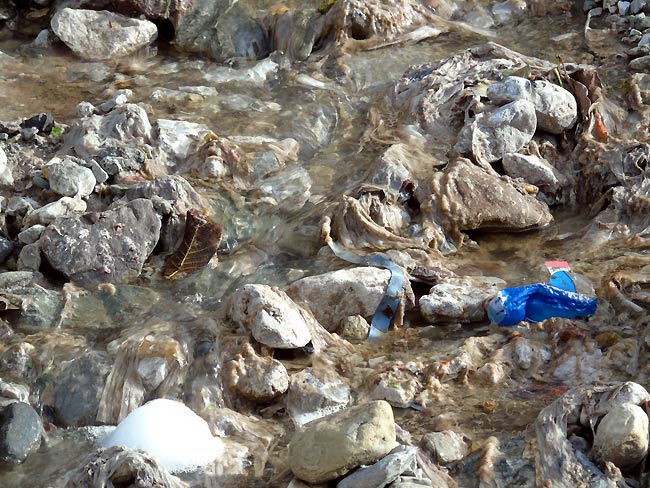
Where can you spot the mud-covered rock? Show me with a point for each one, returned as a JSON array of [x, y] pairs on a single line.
[[314, 394], [101, 34], [272, 317], [465, 197], [354, 328], [622, 437], [460, 299], [111, 249], [20, 431], [257, 378], [332, 446], [78, 390], [492, 134], [339, 294]]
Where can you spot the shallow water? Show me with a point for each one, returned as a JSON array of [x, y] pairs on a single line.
[[278, 247]]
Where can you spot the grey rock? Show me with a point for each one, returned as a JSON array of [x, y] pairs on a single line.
[[637, 6], [446, 447], [6, 178], [101, 34], [555, 108], [532, 169], [622, 437], [100, 175], [334, 445], [176, 137], [355, 328], [640, 64], [78, 390], [31, 234], [623, 8], [39, 306], [29, 258], [114, 160], [272, 317], [63, 207], [69, 179], [16, 361], [14, 391], [28, 133], [111, 249], [20, 432], [507, 129], [311, 397], [645, 40], [6, 248], [339, 294], [257, 378], [411, 482], [460, 299], [383, 472]]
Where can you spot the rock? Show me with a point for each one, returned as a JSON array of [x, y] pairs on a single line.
[[332, 446], [257, 378], [39, 307], [460, 299], [63, 207], [6, 248], [6, 178], [623, 8], [533, 170], [20, 431], [115, 160], [273, 318], [640, 64], [28, 133], [78, 390], [506, 129], [383, 472], [14, 391], [29, 258], [100, 175], [506, 11], [412, 482], [464, 197], [446, 447], [100, 35], [31, 234], [176, 137], [622, 437], [112, 249], [314, 394], [555, 108], [69, 179], [354, 328], [44, 123], [398, 385], [637, 5], [339, 294]]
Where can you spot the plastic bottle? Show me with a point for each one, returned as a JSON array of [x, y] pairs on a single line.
[[569, 296]]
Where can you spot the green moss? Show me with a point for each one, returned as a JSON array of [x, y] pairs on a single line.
[[325, 6]]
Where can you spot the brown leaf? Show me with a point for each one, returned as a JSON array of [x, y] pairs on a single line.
[[200, 243]]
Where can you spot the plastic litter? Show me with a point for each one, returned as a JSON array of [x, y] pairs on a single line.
[[567, 295]]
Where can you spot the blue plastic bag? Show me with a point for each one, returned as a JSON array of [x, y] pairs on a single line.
[[538, 302]]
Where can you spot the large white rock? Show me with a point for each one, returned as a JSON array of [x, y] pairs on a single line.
[[170, 432], [532, 169], [67, 178], [6, 178], [556, 108], [622, 437], [273, 318], [101, 34]]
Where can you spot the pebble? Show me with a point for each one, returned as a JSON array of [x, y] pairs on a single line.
[[354, 328], [332, 446], [623, 8], [62, 207], [532, 169], [258, 378], [622, 437], [20, 431]]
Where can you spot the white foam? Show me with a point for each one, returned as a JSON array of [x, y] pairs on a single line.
[[170, 432]]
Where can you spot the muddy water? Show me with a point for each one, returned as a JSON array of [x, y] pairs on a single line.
[[279, 248]]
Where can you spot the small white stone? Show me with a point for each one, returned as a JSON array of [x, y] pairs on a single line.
[[622, 437]]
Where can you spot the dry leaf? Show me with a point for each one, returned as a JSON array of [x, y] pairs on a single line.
[[200, 243]]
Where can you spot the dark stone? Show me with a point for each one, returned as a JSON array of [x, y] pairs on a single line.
[[43, 122], [114, 160], [78, 390], [110, 247], [6, 248], [20, 431]]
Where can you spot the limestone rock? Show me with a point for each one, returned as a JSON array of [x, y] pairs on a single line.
[[332, 446], [67, 178], [112, 249], [257, 378], [492, 134], [20, 431], [6, 178], [101, 34], [460, 299], [622, 437], [273, 318], [354, 328]]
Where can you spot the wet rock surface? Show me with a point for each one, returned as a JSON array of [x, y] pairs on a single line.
[[20, 431]]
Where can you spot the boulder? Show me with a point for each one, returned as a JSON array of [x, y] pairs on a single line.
[[272, 317], [78, 390], [111, 249], [460, 299], [101, 34], [492, 134], [622, 437], [257, 378], [20, 431], [332, 446]]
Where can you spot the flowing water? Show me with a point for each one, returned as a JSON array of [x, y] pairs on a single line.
[[278, 247]]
